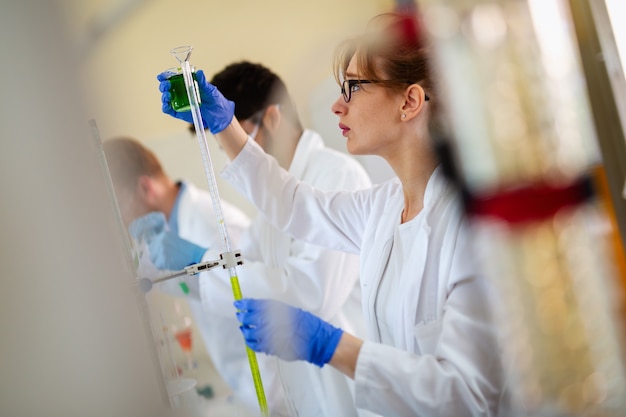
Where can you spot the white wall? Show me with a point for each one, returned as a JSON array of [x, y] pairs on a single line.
[[296, 39]]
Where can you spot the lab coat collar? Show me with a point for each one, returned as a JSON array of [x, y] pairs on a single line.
[[436, 184], [173, 220], [308, 142], [187, 197]]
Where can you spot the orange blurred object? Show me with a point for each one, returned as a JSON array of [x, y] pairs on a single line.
[[184, 339]]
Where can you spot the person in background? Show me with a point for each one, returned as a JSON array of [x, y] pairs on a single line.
[[275, 265], [432, 346], [182, 224]]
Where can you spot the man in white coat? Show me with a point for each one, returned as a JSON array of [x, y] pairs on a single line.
[[146, 194]]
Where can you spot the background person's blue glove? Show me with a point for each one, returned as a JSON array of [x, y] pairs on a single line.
[[167, 249], [288, 332], [217, 112], [148, 226]]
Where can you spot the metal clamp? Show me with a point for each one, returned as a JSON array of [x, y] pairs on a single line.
[[227, 260], [231, 259]]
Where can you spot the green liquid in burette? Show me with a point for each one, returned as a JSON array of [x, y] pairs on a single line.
[[179, 100]]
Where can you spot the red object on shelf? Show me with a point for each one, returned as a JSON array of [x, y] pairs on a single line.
[[532, 202], [184, 339], [408, 27]]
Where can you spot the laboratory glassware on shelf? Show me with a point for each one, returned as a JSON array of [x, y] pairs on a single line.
[[183, 332]]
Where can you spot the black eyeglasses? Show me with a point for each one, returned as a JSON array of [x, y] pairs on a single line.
[[348, 86]]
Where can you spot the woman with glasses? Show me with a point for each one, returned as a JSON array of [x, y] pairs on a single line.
[[432, 346]]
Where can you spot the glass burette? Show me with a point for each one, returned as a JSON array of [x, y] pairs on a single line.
[[182, 54]]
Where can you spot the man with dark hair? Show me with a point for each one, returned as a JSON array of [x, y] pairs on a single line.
[[266, 110]]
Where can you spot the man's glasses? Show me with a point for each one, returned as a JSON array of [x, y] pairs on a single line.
[[348, 86]]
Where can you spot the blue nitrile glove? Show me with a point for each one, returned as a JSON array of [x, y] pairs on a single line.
[[217, 112], [148, 226], [167, 250], [288, 332]]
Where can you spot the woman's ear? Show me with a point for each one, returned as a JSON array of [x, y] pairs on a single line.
[[414, 98], [272, 117]]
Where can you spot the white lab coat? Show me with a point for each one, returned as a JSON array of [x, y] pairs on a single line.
[[314, 278], [443, 359]]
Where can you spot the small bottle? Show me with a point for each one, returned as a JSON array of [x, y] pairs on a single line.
[[179, 99]]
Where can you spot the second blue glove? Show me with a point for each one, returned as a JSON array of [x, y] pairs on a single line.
[[217, 111], [288, 332], [167, 250]]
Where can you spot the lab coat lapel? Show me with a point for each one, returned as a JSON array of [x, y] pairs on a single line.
[[188, 216], [372, 267], [371, 272], [414, 281], [423, 284]]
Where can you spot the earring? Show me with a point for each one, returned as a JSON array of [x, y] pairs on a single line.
[[403, 116]]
